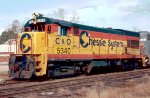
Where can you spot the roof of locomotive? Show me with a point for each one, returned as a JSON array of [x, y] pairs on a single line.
[[47, 20]]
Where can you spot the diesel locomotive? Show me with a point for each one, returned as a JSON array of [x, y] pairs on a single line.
[[52, 47]]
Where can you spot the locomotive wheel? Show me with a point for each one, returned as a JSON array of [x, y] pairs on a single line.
[[89, 68], [86, 69]]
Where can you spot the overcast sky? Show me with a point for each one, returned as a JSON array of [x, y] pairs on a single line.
[[124, 14]]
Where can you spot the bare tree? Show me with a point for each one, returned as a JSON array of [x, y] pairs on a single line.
[[74, 17], [16, 26], [60, 14], [63, 15], [11, 32]]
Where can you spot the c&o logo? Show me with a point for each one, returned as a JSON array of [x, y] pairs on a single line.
[[24, 48], [84, 39]]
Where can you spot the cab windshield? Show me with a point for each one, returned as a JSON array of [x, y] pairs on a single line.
[[35, 28]]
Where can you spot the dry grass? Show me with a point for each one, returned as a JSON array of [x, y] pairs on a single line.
[[134, 89]]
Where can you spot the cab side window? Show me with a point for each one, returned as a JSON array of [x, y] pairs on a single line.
[[62, 31]]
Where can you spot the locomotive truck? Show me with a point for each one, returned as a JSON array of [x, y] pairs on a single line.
[[52, 47]]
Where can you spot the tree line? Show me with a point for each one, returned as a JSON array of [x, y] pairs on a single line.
[[11, 32]]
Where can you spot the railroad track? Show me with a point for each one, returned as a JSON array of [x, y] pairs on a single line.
[[9, 83], [73, 83]]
